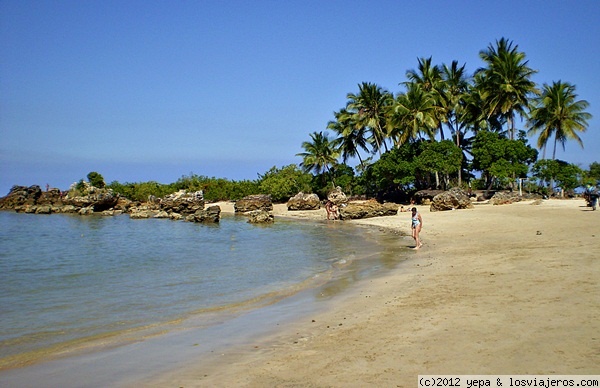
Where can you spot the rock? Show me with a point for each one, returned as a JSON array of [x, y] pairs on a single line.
[[142, 213], [303, 201], [86, 211], [260, 217], [182, 202], [367, 209], [43, 209], [20, 196], [162, 214], [452, 199], [505, 198], [211, 215], [175, 216], [337, 197], [254, 202], [425, 197]]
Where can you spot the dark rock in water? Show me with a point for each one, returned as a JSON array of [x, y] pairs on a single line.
[[303, 201], [367, 209], [211, 215], [260, 217], [452, 199], [254, 202]]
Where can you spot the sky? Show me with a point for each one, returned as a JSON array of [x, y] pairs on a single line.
[[155, 90]]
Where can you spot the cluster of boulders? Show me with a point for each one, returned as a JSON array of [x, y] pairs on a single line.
[[87, 200], [33, 200], [190, 206]]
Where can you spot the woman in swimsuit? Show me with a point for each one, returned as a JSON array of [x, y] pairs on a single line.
[[417, 224]]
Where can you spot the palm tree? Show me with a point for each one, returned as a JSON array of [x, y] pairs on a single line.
[[429, 78], [506, 82], [454, 86], [369, 107], [352, 137], [319, 155], [412, 115], [558, 112]]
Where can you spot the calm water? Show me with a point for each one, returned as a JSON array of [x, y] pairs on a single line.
[[67, 280]]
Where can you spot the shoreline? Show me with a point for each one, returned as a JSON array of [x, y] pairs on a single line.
[[254, 322], [515, 293], [508, 289]]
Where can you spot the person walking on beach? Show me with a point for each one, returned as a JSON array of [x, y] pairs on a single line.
[[417, 224]]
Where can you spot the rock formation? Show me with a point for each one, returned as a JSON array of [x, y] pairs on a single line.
[[303, 201], [254, 202], [181, 202], [425, 197], [211, 215], [337, 197], [367, 209], [452, 199], [260, 217]]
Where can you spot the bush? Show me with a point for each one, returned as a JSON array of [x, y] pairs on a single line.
[[96, 180]]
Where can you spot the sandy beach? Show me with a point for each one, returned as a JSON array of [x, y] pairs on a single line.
[[511, 289]]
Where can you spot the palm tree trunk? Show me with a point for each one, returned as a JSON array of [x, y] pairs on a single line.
[[460, 168]]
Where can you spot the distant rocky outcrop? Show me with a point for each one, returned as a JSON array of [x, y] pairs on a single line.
[[260, 217], [33, 200], [337, 197], [254, 202], [21, 196], [303, 201], [367, 209], [452, 199]]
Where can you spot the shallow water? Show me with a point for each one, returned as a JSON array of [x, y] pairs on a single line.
[[67, 282]]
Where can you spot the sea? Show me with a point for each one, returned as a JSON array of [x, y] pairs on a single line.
[[72, 285]]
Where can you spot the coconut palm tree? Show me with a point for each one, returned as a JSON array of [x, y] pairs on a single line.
[[369, 107], [506, 82], [351, 137], [454, 86], [557, 112], [320, 155], [429, 78], [412, 115]]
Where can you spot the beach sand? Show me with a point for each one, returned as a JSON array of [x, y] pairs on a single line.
[[510, 289]]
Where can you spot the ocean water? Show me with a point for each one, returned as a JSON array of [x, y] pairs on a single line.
[[68, 281]]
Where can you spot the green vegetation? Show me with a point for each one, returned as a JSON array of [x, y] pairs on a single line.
[[444, 128]]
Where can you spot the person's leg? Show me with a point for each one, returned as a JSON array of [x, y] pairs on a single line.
[[417, 238]]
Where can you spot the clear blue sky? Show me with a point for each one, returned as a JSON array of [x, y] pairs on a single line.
[[154, 90]]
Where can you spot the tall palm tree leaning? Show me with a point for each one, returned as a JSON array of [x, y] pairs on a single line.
[[506, 82], [319, 155], [558, 112]]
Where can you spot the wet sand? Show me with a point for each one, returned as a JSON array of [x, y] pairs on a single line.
[[511, 289]]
